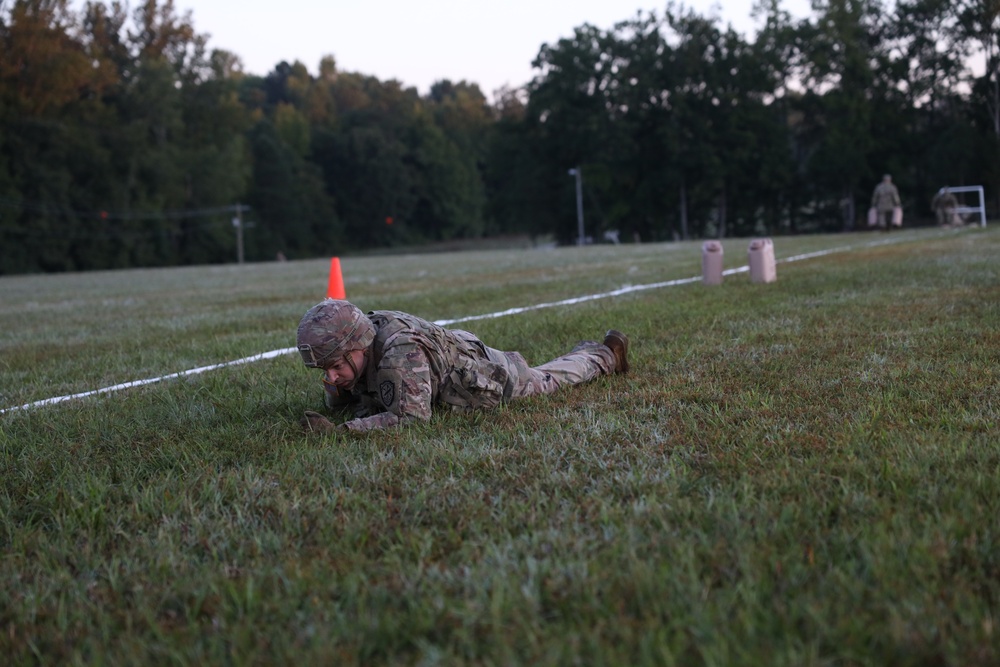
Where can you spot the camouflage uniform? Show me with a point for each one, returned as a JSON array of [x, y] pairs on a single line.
[[885, 199], [413, 365], [945, 205]]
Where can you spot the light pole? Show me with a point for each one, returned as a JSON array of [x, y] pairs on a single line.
[[579, 203]]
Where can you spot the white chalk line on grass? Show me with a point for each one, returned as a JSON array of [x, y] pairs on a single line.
[[471, 318], [139, 383], [639, 288]]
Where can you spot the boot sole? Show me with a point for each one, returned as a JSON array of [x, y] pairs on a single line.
[[622, 339]]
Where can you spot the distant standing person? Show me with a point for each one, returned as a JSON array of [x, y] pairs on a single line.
[[945, 205], [886, 205]]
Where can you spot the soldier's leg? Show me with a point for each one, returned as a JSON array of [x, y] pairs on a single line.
[[583, 364]]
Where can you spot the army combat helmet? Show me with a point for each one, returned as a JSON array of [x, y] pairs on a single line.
[[332, 329]]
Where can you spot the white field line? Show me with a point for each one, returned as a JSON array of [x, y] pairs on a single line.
[[470, 318], [139, 383]]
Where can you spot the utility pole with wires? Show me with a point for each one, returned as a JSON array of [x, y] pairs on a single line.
[[238, 224]]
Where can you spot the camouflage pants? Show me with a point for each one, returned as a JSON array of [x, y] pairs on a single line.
[[583, 364], [889, 217], [947, 216]]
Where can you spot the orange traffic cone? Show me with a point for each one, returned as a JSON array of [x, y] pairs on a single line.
[[335, 287]]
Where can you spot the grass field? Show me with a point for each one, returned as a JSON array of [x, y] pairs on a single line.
[[800, 473]]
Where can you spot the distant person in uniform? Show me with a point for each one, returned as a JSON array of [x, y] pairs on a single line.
[[945, 206], [394, 368], [885, 202]]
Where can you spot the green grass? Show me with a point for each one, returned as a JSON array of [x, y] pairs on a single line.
[[798, 473]]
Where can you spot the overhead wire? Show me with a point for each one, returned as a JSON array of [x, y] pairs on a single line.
[[7, 202], [103, 217]]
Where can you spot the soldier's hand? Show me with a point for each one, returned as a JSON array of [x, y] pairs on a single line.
[[314, 422]]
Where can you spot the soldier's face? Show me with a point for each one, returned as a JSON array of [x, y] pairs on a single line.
[[341, 373]]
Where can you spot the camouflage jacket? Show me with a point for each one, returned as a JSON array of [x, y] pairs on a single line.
[[885, 197], [943, 201], [414, 364]]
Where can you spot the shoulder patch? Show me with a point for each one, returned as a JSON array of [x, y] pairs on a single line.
[[387, 392], [389, 386]]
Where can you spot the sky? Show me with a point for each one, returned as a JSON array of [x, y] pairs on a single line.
[[418, 42]]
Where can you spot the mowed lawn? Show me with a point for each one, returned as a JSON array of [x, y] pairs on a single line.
[[805, 472]]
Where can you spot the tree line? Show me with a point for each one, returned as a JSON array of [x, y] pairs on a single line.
[[126, 141]]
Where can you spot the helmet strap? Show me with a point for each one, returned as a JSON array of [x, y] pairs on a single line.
[[349, 358]]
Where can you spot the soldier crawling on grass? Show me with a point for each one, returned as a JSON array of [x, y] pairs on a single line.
[[394, 367]]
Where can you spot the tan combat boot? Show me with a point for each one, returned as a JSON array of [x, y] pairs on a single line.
[[618, 343]]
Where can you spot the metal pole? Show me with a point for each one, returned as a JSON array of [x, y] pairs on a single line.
[[579, 203], [238, 224]]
